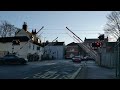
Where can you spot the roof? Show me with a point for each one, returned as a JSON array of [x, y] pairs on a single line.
[[10, 39], [72, 44], [93, 40], [58, 43], [17, 31], [111, 44], [30, 34], [53, 44]]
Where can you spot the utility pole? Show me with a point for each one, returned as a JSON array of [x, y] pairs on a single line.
[[119, 58], [118, 51]]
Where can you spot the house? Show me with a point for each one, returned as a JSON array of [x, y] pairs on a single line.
[[73, 49], [30, 44], [54, 50]]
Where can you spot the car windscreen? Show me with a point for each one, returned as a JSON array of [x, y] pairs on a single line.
[[77, 56]]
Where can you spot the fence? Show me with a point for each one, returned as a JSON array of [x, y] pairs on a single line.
[[109, 59]]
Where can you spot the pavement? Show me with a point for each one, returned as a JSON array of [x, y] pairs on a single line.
[[93, 71]]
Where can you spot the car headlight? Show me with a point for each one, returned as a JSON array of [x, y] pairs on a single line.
[[26, 59]]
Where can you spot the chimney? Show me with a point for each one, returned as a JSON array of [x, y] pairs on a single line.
[[24, 26], [34, 32]]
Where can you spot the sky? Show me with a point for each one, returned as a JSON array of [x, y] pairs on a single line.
[[87, 24]]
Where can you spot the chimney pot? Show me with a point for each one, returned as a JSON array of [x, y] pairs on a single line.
[[24, 26]]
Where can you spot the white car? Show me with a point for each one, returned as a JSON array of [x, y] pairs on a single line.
[[76, 59]]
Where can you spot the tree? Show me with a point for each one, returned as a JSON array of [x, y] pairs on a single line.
[[112, 27], [7, 29]]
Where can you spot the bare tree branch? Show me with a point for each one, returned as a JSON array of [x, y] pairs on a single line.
[[7, 29], [112, 27]]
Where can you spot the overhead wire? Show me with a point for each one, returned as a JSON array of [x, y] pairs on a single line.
[[73, 29]]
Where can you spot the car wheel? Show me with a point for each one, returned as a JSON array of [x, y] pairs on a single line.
[[23, 63]]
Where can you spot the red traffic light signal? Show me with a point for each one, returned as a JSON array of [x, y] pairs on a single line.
[[96, 44]]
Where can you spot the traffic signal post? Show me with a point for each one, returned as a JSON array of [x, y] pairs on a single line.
[[119, 58], [101, 38]]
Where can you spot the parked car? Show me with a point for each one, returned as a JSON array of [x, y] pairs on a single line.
[[12, 59], [76, 59], [86, 58]]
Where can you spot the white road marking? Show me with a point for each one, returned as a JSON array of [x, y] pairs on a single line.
[[26, 78], [36, 76], [50, 63], [55, 76], [46, 75]]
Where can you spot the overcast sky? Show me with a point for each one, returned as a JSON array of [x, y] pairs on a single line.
[[83, 23]]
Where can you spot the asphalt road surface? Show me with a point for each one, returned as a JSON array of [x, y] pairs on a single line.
[[53, 69]]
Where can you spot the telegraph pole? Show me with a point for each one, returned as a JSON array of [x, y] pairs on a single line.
[[118, 52], [119, 58]]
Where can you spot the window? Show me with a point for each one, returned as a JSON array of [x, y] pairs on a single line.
[[32, 38], [38, 48], [33, 47], [72, 50], [29, 45]]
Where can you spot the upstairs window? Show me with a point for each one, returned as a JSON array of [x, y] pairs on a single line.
[[38, 48]]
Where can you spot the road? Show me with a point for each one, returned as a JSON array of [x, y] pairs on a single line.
[[53, 69]]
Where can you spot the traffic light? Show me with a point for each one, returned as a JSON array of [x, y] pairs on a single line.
[[96, 44], [93, 45], [15, 42], [101, 37]]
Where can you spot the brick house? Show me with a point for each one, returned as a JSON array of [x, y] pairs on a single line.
[[73, 49]]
